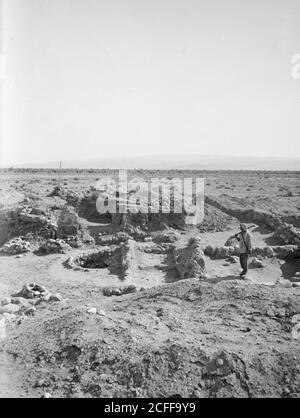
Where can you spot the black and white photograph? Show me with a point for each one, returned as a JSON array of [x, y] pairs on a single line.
[[149, 202]]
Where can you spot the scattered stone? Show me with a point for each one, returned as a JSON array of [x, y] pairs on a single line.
[[114, 239], [46, 297], [129, 289], [92, 311], [74, 241], [116, 291], [204, 276], [101, 313], [270, 312], [107, 291], [233, 259], [47, 395], [30, 311], [297, 284], [256, 263], [198, 394], [56, 298], [210, 251], [31, 291], [166, 237]]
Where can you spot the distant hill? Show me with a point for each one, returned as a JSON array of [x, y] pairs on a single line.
[[184, 162]]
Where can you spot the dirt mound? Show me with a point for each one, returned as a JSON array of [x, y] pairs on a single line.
[[215, 220], [189, 339], [28, 220], [16, 246]]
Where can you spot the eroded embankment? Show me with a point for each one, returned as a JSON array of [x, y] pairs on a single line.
[[187, 339], [285, 233]]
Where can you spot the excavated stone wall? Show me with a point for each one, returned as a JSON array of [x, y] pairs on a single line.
[[285, 233], [281, 252], [189, 261]]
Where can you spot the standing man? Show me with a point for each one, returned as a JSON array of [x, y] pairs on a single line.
[[245, 244]]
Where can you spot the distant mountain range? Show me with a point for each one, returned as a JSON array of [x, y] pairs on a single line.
[[184, 162]]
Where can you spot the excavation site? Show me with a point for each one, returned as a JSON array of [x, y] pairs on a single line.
[[134, 305]]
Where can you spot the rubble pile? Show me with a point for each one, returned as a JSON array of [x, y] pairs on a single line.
[[32, 291], [68, 223], [113, 239], [189, 261], [74, 199], [16, 246], [27, 299], [29, 219], [119, 291], [54, 246], [256, 263], [157, 248], [166, 237], [73, 241]]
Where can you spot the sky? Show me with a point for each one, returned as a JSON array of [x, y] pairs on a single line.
[[93, 79]]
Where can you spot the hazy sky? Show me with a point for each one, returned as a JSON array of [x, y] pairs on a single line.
[[86, 79]]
